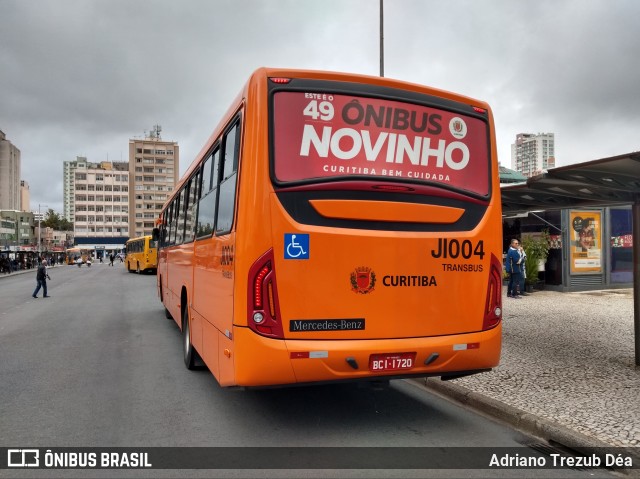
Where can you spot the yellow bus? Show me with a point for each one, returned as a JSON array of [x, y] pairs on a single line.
[[141, 254], [337, 227], [75, 253]]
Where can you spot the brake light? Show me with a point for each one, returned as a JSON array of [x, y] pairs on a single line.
[[493, 305], [392, 188], [280, 80], [477, 109], [263, 312], [258, 285]]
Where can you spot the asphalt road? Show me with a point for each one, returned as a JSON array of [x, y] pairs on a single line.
[[98, 365]]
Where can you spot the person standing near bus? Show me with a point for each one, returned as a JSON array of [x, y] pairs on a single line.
[[523, 270], [513, 267], [41, 278]]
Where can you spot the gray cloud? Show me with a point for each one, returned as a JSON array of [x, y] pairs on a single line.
[[82, 77]]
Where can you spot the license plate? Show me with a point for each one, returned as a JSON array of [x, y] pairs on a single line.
[[391, 362]]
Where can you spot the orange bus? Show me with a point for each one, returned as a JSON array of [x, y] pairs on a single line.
[[141, 254], [337, 227]]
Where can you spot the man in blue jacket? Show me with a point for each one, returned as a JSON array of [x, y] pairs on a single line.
[[514, 268]]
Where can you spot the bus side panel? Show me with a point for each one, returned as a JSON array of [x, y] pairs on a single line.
[[179, 272], [213, 292], [209, 350], [226, 376], [261, 361], [162, 280]]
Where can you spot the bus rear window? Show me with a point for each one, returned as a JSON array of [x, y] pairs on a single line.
[[322, 136]]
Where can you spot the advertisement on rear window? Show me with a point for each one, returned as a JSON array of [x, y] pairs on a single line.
[[321, 136]]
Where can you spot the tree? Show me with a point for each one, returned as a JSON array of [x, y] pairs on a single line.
[[51, 219], [65, 225], [57, 222], [537, 249]]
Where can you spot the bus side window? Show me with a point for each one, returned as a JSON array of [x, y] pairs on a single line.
[[180, 217], [169, 225], [175, 223], [207, 203], [187, 209], [192, 207], [227, 200]]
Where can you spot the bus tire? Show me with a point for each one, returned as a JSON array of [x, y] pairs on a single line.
[[129, 267], [138, 268], [167, 314], [190, 354]]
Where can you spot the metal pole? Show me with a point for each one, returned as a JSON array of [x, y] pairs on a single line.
[[39, 217], [381, 39], [635, 212], [39, 222]]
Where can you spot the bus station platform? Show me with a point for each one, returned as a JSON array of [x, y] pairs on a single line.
[[567, 372]]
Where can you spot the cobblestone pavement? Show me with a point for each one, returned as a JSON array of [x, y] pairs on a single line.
[[569, 358]]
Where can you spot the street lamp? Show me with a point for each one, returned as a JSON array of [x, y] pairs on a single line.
[[39, 220], [381, 38]]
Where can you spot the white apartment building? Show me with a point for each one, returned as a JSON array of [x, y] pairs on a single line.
[[533, 153], [153, 168], [9, 175], [68, 187], [99, 200]]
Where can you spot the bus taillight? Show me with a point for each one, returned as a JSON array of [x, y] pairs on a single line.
[[493, 304], [280, 80], [263, 310]]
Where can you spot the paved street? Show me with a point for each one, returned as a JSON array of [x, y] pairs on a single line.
[[97, 364]]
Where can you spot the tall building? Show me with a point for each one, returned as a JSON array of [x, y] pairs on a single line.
[[96, 197], [531, 154], [9, 175], [153, 170], [68, 190], [25, 196]]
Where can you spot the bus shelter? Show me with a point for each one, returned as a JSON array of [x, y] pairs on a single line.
[[594, 184]]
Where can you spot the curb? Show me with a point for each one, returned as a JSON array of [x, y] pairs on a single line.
[[521, 420]]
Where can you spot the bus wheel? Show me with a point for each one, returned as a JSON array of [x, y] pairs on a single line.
[[190, 354], [129, 267], [167, 314], [138, 268]]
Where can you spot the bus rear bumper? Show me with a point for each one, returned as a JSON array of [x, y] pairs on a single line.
[[262, 362]]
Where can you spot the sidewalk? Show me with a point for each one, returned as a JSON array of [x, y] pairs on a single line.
[[567, 369], [32, 270]]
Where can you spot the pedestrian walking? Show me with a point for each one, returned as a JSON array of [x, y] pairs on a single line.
[[514, 269], [111, 258], [41, 278]]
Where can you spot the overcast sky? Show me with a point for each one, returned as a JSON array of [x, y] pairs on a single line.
[[82, 77]]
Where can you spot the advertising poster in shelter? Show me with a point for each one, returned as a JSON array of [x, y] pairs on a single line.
[[586, 241]]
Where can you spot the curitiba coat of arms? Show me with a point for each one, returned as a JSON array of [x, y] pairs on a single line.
[[363, 280]]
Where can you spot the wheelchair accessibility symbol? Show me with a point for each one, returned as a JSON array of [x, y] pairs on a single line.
[[296, 246]]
